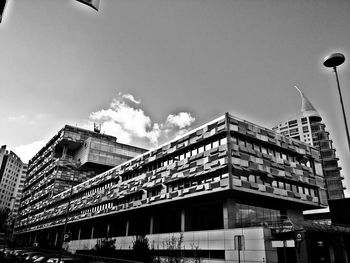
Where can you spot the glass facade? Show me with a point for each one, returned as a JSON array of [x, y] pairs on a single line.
[[250, 215]]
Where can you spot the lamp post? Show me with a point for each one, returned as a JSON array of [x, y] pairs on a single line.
[[332, 61]]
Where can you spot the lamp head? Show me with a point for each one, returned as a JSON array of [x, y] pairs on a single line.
[[334, 60]]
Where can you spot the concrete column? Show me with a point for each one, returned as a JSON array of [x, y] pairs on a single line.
[[107, 234], [79, 233], [127, 228], [229, 213], [331, 252], [340, 250], [151, 225], [183, 220], [92, 232], [56, 238]]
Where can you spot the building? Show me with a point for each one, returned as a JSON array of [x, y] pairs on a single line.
[[72, 156], [225, 188], [11, 168], [19, 189], [308, 127]]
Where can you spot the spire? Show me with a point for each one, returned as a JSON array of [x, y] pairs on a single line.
[[307, 109]]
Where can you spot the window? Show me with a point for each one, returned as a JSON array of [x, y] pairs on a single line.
[[300, 189], [293, 123], [284, 156], [215, 144], [281, 185], [294, 131], [208, 147], [288, 187], [241, 142]]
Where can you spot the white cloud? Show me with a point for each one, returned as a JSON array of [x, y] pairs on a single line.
[[16, 118], [34, 119], [182, 120], [27, 151], [131, 98], [129, 122]]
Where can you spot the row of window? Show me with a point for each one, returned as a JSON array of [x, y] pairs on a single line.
[[282, 185], [316, 166], [182, 185], [175, 158]]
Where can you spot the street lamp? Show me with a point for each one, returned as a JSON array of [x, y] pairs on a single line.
[[332, 61]]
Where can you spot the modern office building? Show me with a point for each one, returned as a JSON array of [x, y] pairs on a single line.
[[11, 168], [308, 127], [71, 157], [226, 188]]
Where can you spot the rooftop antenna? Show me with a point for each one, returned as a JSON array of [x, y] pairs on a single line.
[[97, 127]]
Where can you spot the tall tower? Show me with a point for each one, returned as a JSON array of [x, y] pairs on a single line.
[[10, 174], [308, 127]]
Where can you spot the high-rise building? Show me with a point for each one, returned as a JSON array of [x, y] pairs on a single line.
[[19, 189], [226, 181], [11, 168], [72, 156], [308, 127]]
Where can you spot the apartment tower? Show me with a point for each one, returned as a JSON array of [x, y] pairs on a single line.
[[308, 127]]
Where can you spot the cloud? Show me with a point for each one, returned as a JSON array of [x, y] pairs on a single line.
[[128, 122], [34, 119], [182, 120], [16, 118], [131, 98], [27, 151]]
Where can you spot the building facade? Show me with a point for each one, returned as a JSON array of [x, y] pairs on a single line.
[[71, 157], [19, 189], [11, 168], [226, 180], [308, 127]]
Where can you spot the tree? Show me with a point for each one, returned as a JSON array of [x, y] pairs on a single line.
[[141, 249]]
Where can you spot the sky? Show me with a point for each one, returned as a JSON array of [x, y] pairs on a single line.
[[150, 70]]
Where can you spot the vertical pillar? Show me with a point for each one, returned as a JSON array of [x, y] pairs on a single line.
[[107, 234], [92, 232], [79, 233], [151, 225], [127, 228], [340, 250], [183, 220], [331, 252], [56, 238], [229, 213]]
